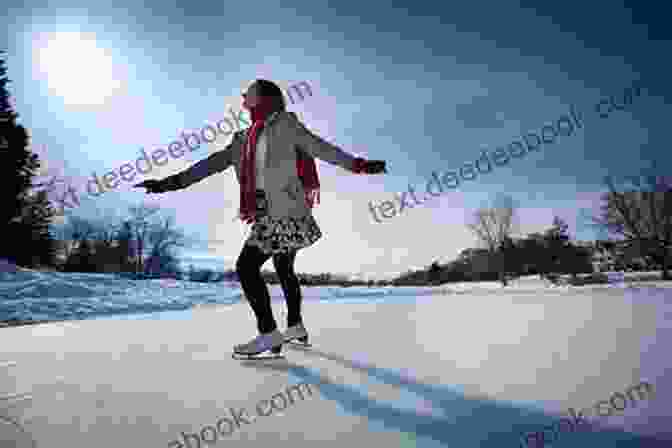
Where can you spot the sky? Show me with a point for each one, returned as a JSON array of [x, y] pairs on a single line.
[[425, 86]]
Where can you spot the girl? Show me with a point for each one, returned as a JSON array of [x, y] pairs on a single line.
[[275, 166]]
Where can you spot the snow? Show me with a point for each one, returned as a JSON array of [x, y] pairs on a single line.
[[470, 364], [29, 294]]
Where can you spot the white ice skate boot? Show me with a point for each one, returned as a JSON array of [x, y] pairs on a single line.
[[264, 346], [297, 335]]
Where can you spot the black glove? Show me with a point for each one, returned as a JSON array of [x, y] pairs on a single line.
[[158, 186], [374, 167]]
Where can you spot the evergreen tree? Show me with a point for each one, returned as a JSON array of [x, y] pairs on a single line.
[[24, 217], [39, 247]]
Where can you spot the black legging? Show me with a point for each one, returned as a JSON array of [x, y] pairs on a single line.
[[248, 268]]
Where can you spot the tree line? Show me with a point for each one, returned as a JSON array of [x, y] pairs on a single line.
[[639, 221]]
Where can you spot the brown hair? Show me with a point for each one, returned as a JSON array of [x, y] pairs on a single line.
[[271, 89]]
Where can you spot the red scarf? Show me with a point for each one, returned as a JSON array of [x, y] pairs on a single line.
[[307, 171], [305, 166]]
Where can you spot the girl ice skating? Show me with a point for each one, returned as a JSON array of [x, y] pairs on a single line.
[[274, 161]]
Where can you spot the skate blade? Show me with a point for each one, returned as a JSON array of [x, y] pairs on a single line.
[[274, 353], [297, 343], [257, 357]]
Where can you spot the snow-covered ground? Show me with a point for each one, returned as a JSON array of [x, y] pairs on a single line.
[[34, 295], [461, 365]]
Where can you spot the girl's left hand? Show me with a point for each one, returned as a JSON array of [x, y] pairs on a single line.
[[375, 167]]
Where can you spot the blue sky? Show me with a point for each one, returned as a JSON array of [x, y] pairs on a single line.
[[425, 87]]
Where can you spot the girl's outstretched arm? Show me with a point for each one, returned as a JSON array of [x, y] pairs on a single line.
[[323, 150], [215, 163]]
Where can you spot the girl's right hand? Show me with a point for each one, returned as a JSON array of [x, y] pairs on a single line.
[[375, 167], [152, 186]]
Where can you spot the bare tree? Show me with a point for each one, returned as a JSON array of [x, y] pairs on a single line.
[[642, 218], [99, 234], [71, 233], [162, 237], [106, 228], [104, 239], [492, 227], [114, 242], [141, 229]]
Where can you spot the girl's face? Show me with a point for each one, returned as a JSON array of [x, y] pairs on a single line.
[[250, 98]]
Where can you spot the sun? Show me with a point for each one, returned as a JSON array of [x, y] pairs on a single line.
[[76, 69]]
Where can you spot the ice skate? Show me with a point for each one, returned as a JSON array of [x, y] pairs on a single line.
[[297, 335], [264, 346]]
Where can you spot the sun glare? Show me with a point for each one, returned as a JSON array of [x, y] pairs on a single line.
[[76, 69]]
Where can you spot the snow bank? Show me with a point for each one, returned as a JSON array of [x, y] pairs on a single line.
[[27, 294]]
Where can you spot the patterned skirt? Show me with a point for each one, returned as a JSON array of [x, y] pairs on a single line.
[[281, 234]]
